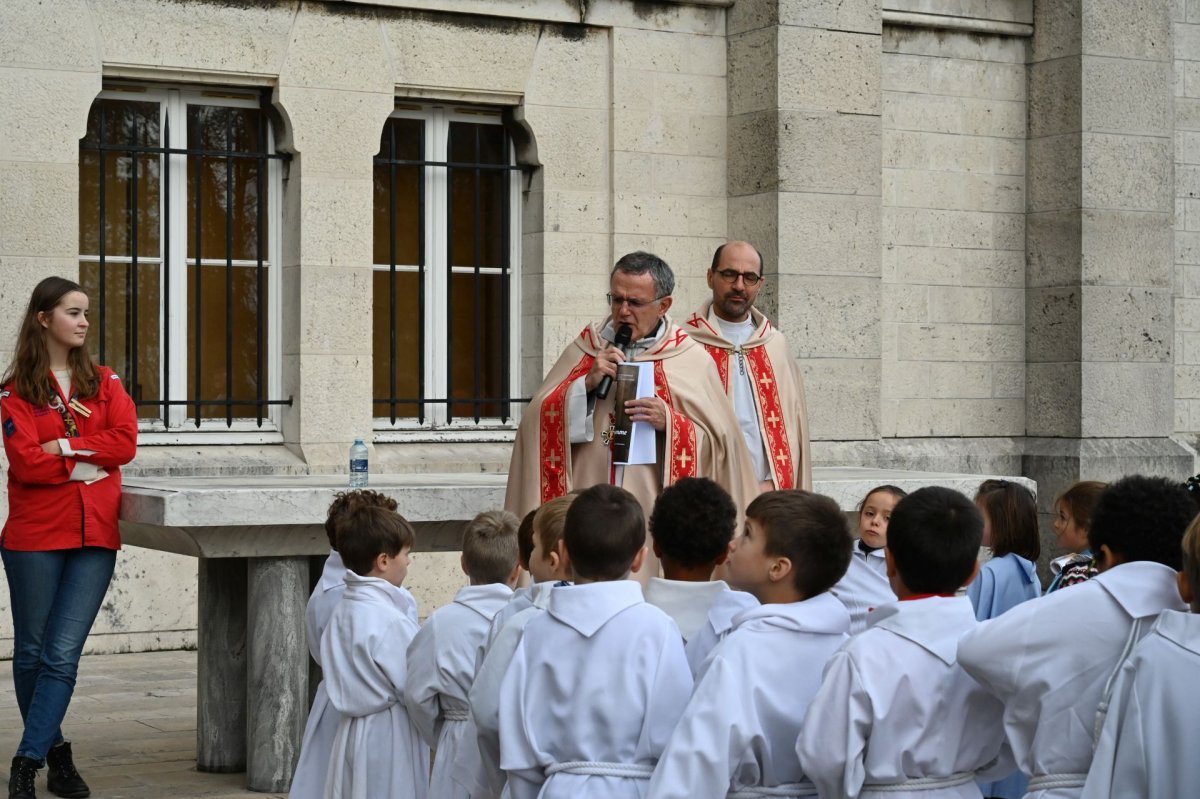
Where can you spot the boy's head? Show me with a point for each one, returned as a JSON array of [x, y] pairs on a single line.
[[1140, 518], [692, 524], [525, 539], [605, 534], [795, 546], [1189, 575], [545, 561], [489, 548], [933, 541], [346, 501], [375, 542]]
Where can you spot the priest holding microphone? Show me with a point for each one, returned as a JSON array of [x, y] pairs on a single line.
[[566, 435]]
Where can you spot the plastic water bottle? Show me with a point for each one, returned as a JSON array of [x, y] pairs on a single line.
[[358, 464]]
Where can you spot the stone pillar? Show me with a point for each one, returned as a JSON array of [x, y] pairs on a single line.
[[1099, 317], [221, 666], [277, 671], [804, 185]]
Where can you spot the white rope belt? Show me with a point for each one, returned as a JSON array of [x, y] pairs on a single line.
[[922, 783], [790, 790], [455, 715], [592, 768], [1048, 781]]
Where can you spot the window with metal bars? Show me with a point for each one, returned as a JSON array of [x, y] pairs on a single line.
[[178, 235], [445, 246]]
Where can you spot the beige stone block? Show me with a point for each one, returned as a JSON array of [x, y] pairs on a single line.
[[1126, 248], [753, 164], [335, 325], [940, 44], [824, 71], [920, 418], [970, 229], [1056, 97], [688, 175], [843, 397], [336, 221], [335, 133], [831, 234], [1126, 96], [1057, 30], [649, 131], [1054, 247], [63, 37], [697, 94], [1126, 324], [986, 80], [1053, 324], [861, 16], [929, 342], [905, 379], [750, 15], [1187, 381], [838, 153], [992, 342], [45, 112], [953, 190], [208, 38], [1187, 180], [903, 149], [654, 214], [39, 209], [960, 304], [708, 216], [707, 55], [1126, 399], [569, 71], [573, 146], [830, 317], [566, 252], [1052, 399], [949, 152], [1008, 231], [1008, 380], [755, 218], [633, 89], [1187, 317], [706, 135], [993, 417], [960, 381], [903, 303], [1126, 172], [753, 71], [910, 227], [577, 211], [1009, 156], [1182, 416], [1008, 306], [890, 351], [905, 73], [1054, 180], [1187, 114], [1187, 147], [657, 50], [334, 417], [1127, 30], [950, 266]]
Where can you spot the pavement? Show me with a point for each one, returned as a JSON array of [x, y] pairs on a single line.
[[132, 726]]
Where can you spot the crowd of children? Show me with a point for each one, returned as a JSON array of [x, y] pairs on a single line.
[[822, 665]]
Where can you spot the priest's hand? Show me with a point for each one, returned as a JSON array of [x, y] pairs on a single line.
[[605, 365], [648, 409]]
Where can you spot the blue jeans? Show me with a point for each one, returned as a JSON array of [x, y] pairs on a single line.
[[55, 597]]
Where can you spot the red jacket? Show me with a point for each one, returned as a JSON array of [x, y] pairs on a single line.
[[46, 510]]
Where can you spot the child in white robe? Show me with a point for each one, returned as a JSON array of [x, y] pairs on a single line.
[[598, 680], [522, 597], [377, 750], [1050, 660], [1147, 745], [738, 733], [308, 781], [895, 714], [865, 585], [691, 528], [443, 656], [548, 568]]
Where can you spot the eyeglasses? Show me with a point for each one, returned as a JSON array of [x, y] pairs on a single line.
[[731, 276], [634, 305]]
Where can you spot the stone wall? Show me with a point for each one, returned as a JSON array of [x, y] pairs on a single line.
[[1186, 40]]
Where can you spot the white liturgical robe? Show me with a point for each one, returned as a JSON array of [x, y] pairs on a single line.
[[595, 687], [441, 668], [719, 621], [896, 711], [864, 587], [1148, 745], [377, 751], [1048, 660], [740, 727]]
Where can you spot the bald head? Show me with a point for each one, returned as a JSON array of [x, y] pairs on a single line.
[[735, 280]]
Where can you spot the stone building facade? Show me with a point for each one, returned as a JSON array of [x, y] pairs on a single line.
[[980, 219]]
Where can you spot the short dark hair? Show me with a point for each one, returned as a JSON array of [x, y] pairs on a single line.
[[489, 547], [640, 262], [693, 521], [1011, 512], [605, 529], [716, 261], [368, 532], [346, 501], [525, 538], [1143, 518], [934, 536], [810, 530]]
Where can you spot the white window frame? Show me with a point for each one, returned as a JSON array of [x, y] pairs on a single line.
[[173, 310], [437, 120]]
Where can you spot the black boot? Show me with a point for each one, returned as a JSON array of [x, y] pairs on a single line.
[[61, 777], [21, 777]]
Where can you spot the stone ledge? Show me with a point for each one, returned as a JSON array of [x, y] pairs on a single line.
[[914, 19]]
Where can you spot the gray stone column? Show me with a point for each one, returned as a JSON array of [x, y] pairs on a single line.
[[1099, 317], [277, 671], [221, 666], [804, 185]]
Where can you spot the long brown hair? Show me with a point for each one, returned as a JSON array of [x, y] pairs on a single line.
[[1012, 513], [29, 372]]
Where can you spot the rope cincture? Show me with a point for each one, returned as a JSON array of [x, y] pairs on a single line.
[[1048, 781], [455, 715], [922, 783], [595, 768], [789, 790]]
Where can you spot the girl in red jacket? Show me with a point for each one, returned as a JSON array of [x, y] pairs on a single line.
[[68, 428]]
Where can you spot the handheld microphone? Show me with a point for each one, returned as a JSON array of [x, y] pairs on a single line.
[[624, 334]]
